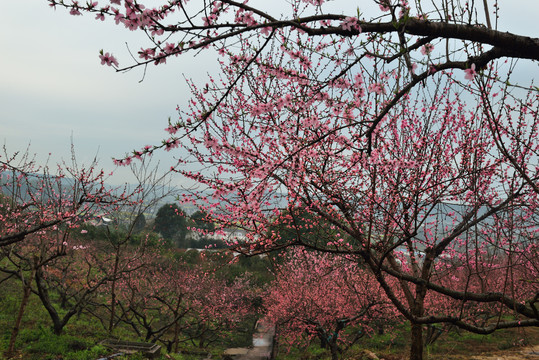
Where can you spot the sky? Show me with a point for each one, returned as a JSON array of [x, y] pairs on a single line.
[[54, 91]]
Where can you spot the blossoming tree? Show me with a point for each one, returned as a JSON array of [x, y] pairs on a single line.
[[399, 126], [319, 296], [174, 303], [38, 198], [40, 207]]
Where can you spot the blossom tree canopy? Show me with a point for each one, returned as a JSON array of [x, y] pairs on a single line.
[[35, 199], [400, 141], [421, 39], [319, 295]]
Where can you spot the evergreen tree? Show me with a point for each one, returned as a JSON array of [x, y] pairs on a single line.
[[201, 221], [170, 222], [140, 223]]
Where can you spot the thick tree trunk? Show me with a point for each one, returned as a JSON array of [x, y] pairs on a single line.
[[416, 348], [201, 342], [334, 351], [176, 335], [57, 328], [43, 293]]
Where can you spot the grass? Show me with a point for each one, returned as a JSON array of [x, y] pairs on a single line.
[[452, 345], [37, 342], [81, 336], [460, 344]]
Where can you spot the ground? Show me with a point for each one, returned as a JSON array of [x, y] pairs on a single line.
[[531, 352]]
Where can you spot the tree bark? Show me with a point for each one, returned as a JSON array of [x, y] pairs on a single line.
[[416, 348], [113, 293], [26, 295], [58, 323], [334, 351], [176, 336]]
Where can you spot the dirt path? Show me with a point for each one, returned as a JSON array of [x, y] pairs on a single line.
[[262, 345]]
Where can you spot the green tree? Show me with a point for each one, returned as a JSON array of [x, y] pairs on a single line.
[[139, 223], [170, 222], [302, 225], [202, 221]]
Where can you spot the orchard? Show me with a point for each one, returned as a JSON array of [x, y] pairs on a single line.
[[397, 138]]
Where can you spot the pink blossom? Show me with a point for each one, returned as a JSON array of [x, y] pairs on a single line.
[[146, 54], [118, 17], [209, 19], [171, 129], [325, 23], [376, 88], [100, 16], [117, 2], [121, 162], [75, 11], [266, 30], [108, 59], [350, 23], [157, 31], [171, 144], [132, 24], [246, 18], [84, 231], [161, 59], [169, 48], [470, 73], [427, 49]]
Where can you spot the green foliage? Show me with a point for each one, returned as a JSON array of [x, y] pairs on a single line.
[[113, 234], [257, 267], [203, 243], [89, 354], [394, 344], [43, 341], [200, 221], [145, 237], [170, 222], [9, 294], [139, 223], [305, 226], [313, 352], [176, 356], [191, 257]]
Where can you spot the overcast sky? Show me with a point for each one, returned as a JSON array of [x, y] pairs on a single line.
[[52, 86]]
